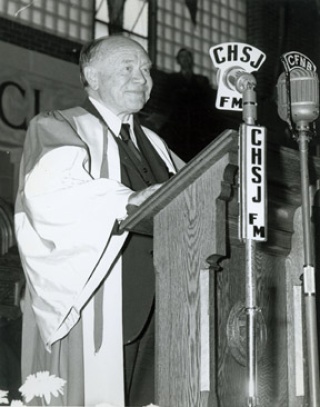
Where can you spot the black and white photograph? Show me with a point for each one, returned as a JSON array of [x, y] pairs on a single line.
[[159, 203]]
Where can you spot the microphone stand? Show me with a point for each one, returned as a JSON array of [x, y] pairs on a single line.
[[309, 287], [245, 84]]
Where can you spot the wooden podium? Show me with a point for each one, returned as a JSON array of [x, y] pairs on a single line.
[[200, 283]]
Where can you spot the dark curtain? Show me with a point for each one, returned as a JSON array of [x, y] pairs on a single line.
[[192, 7], [277, 27], [115, 8]]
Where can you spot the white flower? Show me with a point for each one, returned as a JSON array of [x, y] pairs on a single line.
[[109, 405], [16, 403], [42, 384], [4, 397], [105, 405]]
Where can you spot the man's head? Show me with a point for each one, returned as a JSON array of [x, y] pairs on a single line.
[[116, 71], [185, 59]]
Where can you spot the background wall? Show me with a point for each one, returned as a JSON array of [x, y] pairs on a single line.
[[30, 82], [277, 27], [44, 64]]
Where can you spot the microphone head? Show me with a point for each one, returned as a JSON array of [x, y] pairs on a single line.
[[304, 93], [282, 100]]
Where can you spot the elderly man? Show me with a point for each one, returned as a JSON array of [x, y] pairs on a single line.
[[90, 290]]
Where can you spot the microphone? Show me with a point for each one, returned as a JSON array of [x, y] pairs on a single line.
[[298, 102], [235, 62], [298, 97], [238, 79]]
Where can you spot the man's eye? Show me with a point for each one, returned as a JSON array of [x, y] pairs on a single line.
[[146, 70]]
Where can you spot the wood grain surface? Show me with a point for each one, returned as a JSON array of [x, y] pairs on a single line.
[[195, 226]]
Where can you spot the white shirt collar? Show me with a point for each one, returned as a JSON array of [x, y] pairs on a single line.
[[112, 120]]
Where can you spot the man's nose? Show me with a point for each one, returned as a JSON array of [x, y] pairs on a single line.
[[139, 76]]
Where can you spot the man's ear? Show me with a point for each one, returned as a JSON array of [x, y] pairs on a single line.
[[91, 75]]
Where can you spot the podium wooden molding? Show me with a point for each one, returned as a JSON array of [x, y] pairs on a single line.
[[200, 282]]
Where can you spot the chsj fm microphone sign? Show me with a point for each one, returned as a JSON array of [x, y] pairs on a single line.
[[253, 179], [231, 59], [236, 61]]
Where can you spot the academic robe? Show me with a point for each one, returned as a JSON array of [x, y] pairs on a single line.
[[65, 215]]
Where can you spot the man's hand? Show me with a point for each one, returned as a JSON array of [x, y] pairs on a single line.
[[137, 198]]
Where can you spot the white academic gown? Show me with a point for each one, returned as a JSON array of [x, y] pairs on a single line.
[[64, 217]]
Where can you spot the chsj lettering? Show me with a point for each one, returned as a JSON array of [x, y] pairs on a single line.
[[231, 52], [254, 217], [256, 163]]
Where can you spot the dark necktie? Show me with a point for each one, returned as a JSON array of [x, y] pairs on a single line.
[[125, 136]]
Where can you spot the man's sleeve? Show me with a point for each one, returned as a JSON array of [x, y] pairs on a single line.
[[64, 219]]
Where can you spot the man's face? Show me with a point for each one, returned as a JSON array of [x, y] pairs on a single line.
[[124, 81], [185, 60]]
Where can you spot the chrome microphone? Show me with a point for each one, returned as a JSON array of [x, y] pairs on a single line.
[[238, 79], [298, 104], [298, 97]]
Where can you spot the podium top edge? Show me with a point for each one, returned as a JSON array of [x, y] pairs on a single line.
[[226, 142]]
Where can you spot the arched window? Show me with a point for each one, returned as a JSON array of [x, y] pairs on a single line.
[[129, 17], [71, 19]]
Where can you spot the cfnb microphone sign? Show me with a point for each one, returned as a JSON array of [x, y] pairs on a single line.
[[294, 59], [233, 59]]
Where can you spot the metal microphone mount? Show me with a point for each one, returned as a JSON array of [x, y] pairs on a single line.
[[236, 91], [307, 96]]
